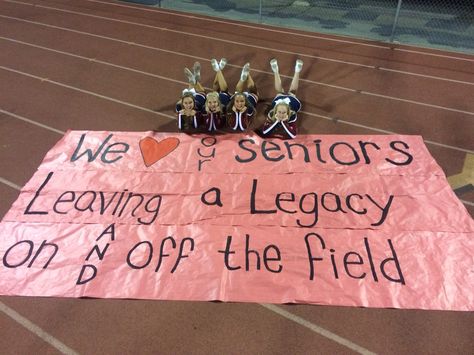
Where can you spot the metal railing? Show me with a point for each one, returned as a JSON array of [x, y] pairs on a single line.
[[445, 24]]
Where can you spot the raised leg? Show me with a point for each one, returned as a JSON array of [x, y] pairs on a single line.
[[198, 87], [251, 86], [296, 77], [219, 84], [276, 75], [243, 78]]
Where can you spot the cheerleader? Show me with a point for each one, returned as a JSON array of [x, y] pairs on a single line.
[[214, 108], [281, 120], [192, 100], [241, 108]]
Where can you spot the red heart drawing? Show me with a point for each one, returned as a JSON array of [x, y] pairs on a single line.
[[152, 150]]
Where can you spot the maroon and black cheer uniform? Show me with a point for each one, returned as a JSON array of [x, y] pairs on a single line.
[[240, 121]]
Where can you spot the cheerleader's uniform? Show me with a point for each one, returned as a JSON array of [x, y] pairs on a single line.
[[224, 98], [216, 120], [242, 120], [283, 129], [191, 123]]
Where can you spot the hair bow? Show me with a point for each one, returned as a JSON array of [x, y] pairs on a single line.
[[286, 100], [186, 91]]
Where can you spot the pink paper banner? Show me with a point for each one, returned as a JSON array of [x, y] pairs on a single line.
[[340, 220]]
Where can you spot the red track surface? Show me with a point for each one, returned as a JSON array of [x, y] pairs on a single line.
[[88, 65]]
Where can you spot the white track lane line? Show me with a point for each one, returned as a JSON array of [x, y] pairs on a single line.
[[333, 119], [87, 92], [26, 322], [45, 336], [263, 27], [172, 117], [238, 43], [362, 92], [94, 60], [21, 118], [426, 76], [317, 329], [10, 184]]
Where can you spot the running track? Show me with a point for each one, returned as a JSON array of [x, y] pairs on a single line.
[[98, 65]]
